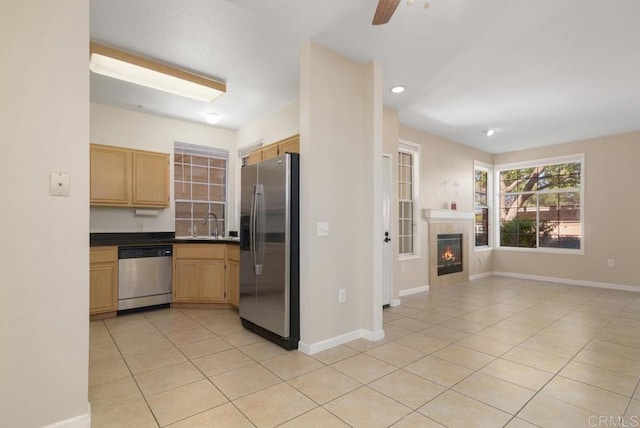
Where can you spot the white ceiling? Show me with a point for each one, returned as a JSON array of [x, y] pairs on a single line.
[[539, 72]]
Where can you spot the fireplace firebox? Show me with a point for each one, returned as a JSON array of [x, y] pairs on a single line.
[[449, 253]]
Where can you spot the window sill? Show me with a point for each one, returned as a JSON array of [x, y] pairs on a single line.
[[482, 249], [542, 250], [409, 257]]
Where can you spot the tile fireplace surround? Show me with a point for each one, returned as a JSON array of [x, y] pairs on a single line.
[[448, 222]]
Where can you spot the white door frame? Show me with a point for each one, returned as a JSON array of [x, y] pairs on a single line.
[[387, 251]]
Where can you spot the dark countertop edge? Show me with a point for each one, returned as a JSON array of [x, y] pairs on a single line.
[[131, 238], [147, 238], [204, 241]]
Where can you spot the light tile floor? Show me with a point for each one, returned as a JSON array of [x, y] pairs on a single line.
[[494, 352]]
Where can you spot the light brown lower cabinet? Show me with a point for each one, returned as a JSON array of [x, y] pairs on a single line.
[[213, 281], [103, 280], [233, 275], [201, 273]]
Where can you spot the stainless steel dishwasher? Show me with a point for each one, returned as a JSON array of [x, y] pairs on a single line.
[[144, 276]]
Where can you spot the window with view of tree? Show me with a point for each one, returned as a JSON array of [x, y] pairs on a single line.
[[200, 188], [481, 205], [407, 193], [541, 205]]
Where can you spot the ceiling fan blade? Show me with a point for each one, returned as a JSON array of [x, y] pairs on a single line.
[[384, 11]]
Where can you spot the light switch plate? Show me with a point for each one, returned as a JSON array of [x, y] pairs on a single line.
[[59, 184], [323, 229]]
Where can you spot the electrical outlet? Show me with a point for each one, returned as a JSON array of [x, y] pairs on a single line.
[[611, 263], [342, 295]]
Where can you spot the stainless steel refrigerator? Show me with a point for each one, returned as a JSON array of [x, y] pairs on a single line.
[[269, 250]]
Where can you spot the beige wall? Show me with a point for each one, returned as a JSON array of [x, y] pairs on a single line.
[[372, 186], [337, 139], [440, 160], [124, 128], [275, 126], [610, 205], [44, 328]]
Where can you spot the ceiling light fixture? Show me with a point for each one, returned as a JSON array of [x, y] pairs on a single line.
[[398, 89], [212, 118], [141, 71], [425, 5], [489, 132]]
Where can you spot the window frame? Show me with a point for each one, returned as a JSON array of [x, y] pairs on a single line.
[[530, 164], [245, 151], [212, 153], [413, 150], [489, 170]]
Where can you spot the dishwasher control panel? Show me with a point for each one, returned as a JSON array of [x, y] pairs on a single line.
[[146, 251]]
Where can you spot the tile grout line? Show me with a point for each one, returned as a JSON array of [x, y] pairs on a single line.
[[205, 376], [567, 363], [132, 376], [514, 346], [521, 293]]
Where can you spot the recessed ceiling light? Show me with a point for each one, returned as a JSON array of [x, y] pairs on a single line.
[[489, 132], [212, 118], [398, 89]]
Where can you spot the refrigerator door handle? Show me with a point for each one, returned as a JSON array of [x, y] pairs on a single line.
[[258, 229], [252, 228]]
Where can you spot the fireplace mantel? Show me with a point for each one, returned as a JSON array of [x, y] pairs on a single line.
[[447, 216]]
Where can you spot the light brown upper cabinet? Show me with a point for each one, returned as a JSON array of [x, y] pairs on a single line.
[[128, 178], [270, 151], [254, 157], [288, 145], [110, 175], [150, 179]]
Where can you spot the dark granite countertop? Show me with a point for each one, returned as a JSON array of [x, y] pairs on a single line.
[[153, 238], [206, 240], [133, 238]]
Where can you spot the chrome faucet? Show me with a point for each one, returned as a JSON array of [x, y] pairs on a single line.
[[215, 231]]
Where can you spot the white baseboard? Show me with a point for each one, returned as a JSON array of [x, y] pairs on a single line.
[[373, 336], [314, 348], [410, 291], [621, 287], [81, 421], [481, 275], [395, 302]]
